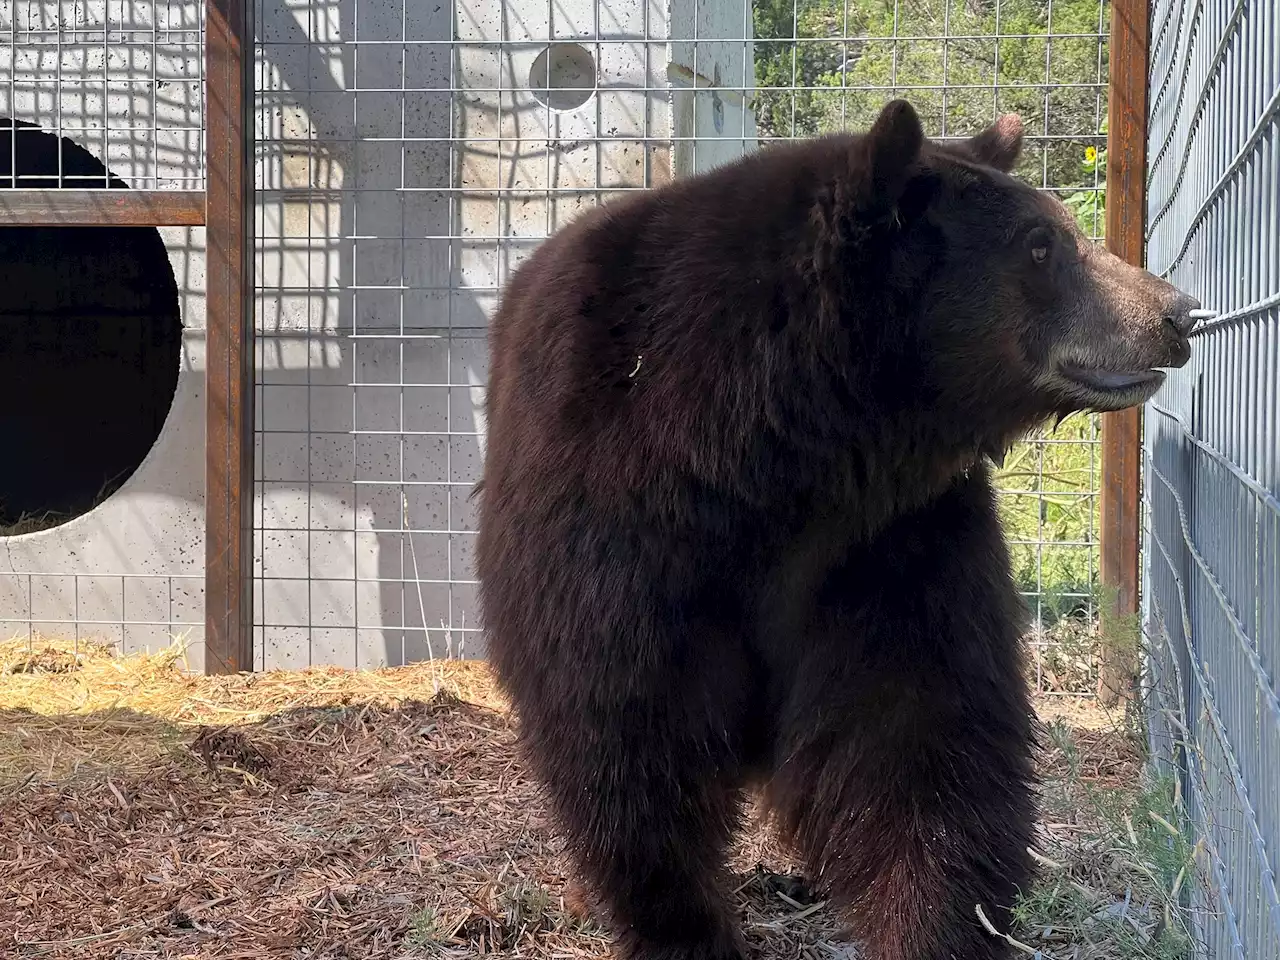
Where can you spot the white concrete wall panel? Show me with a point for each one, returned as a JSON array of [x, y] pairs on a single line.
[[405, 167]]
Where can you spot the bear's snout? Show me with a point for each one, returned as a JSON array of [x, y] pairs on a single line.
[[1171, 317], [1131, 327], [1183, 314]]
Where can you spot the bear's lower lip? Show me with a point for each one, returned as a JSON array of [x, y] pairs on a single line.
[[1112, 381]]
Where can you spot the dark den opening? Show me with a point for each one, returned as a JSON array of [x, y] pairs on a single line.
[[90, 341]]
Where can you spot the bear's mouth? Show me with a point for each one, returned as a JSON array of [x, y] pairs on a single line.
[[1112, 381]]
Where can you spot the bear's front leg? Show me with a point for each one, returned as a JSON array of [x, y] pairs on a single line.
[[904, 760], [631, 705]]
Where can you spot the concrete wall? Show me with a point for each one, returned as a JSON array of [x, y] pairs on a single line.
[[131, 570], [712, 77], [406, 165]]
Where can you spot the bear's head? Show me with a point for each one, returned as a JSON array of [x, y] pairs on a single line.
[[1011, 302]]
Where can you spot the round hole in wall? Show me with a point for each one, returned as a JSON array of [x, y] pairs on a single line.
[[563, 76], [90, 341]]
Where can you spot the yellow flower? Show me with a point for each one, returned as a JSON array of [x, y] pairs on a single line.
[[1090, 154]]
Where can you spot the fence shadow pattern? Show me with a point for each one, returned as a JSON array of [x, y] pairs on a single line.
[[408, 160], [1211, 590], [408, 157]]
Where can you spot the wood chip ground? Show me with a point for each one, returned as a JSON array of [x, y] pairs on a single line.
[[148, 813]]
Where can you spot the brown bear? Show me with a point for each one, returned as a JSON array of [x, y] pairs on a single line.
[[737, 528]]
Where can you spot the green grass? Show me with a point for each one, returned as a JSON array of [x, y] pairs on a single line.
[[423, 929], [1049, 506], [1115, 869]]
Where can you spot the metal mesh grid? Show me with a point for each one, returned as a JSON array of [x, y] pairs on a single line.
[[405, 168], [122, 80], [830, 66], [1212, 476], [93, 94], [133, 612], [411, 155]]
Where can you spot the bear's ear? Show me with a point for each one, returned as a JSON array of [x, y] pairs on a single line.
[[891, 146], [999, 145]]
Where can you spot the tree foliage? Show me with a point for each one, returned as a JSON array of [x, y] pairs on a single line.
[[827, 65]]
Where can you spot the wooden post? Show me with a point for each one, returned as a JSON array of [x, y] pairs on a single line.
[[102, 208], [229, 343], [1121, 432]]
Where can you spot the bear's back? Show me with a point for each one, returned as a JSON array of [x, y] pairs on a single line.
[[637, 328]]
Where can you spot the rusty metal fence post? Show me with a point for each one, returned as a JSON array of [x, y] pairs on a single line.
[[1122, 432]]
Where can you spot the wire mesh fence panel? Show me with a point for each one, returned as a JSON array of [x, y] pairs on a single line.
[[130, 612], [101, 93], [101, 328], [1211, 606], [824, 65], [410, 156]]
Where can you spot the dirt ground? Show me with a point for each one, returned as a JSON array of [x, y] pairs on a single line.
[[147, 813]]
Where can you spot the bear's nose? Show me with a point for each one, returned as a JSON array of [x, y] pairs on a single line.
[[1183, 314]]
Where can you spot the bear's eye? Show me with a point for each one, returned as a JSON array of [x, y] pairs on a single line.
[[1040, 241]]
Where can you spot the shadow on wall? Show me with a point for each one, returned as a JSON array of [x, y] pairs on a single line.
[[383, 242], [372, 354], [101, 390]]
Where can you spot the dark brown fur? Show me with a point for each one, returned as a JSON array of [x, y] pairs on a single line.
[[736, 528]]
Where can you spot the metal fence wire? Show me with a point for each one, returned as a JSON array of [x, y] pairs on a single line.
[[95, 94], [120, 82], [411, 155], [1211, 605]]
